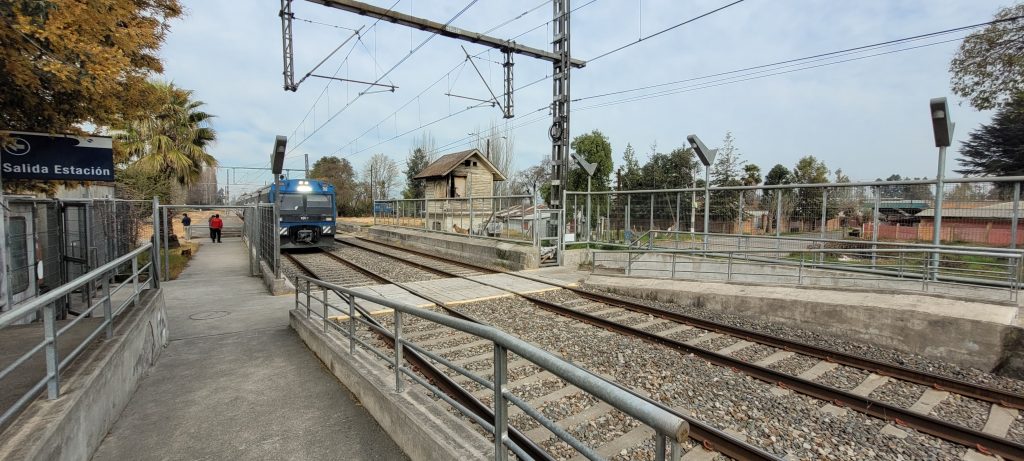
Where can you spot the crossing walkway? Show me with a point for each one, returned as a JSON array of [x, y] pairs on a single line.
[[236, 383]]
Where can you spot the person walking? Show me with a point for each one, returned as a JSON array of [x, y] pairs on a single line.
[[215, 227], [186, 222]]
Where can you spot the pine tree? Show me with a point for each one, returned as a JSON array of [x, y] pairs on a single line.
[[997, 149], [416, 162]]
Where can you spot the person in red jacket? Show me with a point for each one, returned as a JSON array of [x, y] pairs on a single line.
[[215, 226]]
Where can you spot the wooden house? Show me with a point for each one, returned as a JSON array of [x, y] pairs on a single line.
[[451, 181]]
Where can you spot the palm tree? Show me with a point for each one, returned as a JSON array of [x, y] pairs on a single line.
[[171, 142]]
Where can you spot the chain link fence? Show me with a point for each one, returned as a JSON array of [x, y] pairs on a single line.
[[982, 212], [513, 218]]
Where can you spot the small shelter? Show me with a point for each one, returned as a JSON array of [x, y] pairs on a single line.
[[458, 192]]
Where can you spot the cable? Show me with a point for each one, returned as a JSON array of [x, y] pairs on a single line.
[[399, 63], [324, 23], [811, 58], [664, 30]]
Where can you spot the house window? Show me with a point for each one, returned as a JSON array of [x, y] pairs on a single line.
[[474, 163]]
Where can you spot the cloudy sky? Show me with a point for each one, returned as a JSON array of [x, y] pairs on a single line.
[[866, 116]]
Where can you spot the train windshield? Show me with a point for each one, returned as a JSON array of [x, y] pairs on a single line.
[[291, 202], [318, 203]]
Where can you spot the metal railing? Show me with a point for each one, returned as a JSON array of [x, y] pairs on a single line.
[[974, 273], [512, 217], [975, 211], [670, 429], [44, 306]]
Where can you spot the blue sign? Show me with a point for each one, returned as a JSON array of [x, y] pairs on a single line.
[[56, 157]]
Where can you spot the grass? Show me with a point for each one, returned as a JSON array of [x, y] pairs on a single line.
[[178, 262]]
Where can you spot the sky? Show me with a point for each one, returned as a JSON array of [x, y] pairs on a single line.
[[868, 117]]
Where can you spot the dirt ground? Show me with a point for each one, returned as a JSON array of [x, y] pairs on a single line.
[[360, 220]]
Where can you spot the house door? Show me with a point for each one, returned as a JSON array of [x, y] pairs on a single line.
[[460, 186]]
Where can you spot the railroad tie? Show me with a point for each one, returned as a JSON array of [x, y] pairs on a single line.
[[998, 424], [540, 434], [869, 384], [735, 347], [704, 337], [777, 356], [536, 377], [638, 435], [673, 330]]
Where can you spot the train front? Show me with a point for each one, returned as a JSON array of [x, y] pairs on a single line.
[[307, 213]]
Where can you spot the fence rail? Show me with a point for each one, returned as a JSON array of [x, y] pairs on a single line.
[[45, 306], [670, 429], [513, 218], [972, 273]]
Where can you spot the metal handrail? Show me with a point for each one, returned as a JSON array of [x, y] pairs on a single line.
[[924, 268], [824, 185], [668, 426], [51, 334]]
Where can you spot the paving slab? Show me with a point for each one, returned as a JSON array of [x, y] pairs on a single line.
[[236, 382]]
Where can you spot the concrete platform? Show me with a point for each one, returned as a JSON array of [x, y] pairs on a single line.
[[236, 382], [479, 250]]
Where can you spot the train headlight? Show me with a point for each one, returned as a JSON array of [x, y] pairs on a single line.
[[304, 188]]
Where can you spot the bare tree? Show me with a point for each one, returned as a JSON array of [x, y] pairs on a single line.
[[383, 175], [499, 147], [427, 144]]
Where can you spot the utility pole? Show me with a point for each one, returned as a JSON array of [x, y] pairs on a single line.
[[307, 166], [559, 130]]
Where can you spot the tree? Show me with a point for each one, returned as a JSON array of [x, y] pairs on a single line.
[[416, 162], [382, 175], [170, 142], [988, 70], [499, 150], [779, 174], [997, 149], [751, 175], [523, 181], [779, 199], [67, 62], [594, 148], [340, 174], [725, 205], [629, 175], [906, 192], [807, 203]]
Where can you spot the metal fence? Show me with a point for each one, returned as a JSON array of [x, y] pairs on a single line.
[[311, 296], [262, 238], [54, 330], [975, 211], [513, 217], [975, 273]]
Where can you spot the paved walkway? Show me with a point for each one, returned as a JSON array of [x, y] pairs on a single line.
[[236, 382]]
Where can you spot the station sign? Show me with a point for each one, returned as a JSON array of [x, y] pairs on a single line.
[[59, 157]]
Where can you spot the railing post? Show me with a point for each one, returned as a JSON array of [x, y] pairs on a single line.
[[778, 212], [628, 232], [824, 221], [167, 246], [52, 360], [740, 215], [650, 223], [673, 274], [728, 276], [277, 241], [325, 310], [135, 277], [1016, 215], [154, 258], [500, 404], [351, 324], [800, 271], [309, 308], [875, 222], [399, 385], [108, 313], [659, 447]]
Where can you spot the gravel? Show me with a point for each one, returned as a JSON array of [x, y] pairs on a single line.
[[556, 410], [791, 424], [661, 326], [962, 410], [754, 352], [843, 377], [1016, 432], [899, 393], [905, 359], [686, 335], [718, 343], [384, 266], [794, 365]]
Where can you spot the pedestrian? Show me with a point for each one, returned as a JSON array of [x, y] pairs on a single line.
[[215, 227], [186, 222]]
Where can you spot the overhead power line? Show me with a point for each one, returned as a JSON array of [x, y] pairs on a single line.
[[384, 75], [662, 31]]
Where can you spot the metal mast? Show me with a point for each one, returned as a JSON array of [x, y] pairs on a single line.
[[559, 130]]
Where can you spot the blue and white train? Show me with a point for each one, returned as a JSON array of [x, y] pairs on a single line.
[[307, 211]]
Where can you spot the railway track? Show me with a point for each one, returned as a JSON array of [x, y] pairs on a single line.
[[728, 346], [417, 361]]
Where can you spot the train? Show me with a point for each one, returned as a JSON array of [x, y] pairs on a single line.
[[307, 211]]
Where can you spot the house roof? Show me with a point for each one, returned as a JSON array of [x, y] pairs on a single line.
[[999, 210], [444, 165]]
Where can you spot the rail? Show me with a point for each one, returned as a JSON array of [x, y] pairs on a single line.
[[52, 332], [670, 429], [994, 274]]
